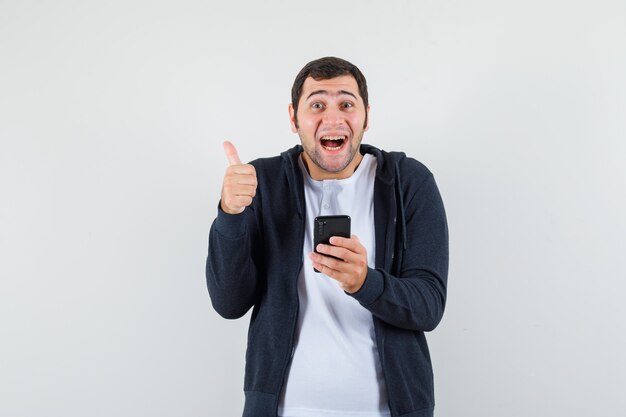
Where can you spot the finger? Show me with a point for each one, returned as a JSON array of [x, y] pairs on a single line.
[[241, 201], [231, 153], [333, 268], [324, 264], [336, 265], [242, 169], [353, 252], [330, 250], [352, 243], [235, 204], [243, 190], [233, 179], [344, 255]]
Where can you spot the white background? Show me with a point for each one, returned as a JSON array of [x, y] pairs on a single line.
[[112, 116]]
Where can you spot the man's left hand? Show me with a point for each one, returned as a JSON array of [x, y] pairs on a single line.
[[350, 269]]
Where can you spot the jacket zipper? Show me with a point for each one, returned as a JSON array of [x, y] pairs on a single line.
[[377, 326], [295, 322]]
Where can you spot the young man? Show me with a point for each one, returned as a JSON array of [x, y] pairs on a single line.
[[348, 341]]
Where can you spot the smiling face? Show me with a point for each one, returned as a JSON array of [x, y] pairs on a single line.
[[331, 121]]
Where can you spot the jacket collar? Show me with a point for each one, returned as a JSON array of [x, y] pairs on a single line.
[[388, 199]]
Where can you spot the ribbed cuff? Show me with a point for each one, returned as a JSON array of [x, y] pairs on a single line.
[[371, 289], [231, 226]]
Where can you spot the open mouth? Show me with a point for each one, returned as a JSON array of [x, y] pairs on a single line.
[[332, 143]]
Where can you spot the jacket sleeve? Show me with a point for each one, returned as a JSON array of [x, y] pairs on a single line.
[[231, 272], [415, 298]]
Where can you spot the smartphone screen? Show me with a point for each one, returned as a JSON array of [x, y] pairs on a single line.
[[327, 226]]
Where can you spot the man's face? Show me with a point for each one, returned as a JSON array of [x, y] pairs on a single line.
[[331, 118]]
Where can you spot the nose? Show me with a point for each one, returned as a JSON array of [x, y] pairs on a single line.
[[333, 117]]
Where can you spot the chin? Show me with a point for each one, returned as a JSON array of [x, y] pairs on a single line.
[[335, 166]]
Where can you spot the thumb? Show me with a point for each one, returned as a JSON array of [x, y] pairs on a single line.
[[231, 153]]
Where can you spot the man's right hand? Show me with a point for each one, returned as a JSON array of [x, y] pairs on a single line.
[[240, 183]]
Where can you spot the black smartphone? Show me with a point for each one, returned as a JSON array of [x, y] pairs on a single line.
[[327, 226]]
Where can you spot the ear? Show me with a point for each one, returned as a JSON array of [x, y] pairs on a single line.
[[292, 119], [367, 112]]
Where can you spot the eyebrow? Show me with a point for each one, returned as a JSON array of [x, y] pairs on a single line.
[[324, 92]]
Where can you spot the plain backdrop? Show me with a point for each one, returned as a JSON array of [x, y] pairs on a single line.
[[112, 116]]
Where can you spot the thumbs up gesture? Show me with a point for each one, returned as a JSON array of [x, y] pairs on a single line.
[[239, 183]]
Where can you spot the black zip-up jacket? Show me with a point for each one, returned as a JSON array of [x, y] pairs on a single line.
[[255, 258]]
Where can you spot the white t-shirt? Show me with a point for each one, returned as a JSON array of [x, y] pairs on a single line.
[[335, 370]]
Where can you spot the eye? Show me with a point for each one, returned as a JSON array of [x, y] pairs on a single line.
[[317, 105], [347, 105]]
